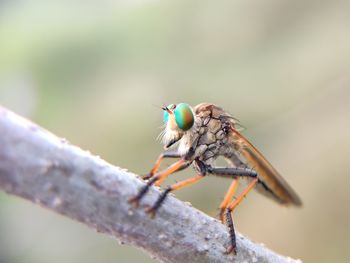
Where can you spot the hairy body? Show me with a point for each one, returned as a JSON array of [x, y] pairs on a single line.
[[204, 133], [214, 133]]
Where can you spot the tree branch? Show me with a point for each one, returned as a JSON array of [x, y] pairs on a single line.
[[46, 170]]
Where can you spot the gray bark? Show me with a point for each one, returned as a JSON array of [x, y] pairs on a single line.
[[40, 167]]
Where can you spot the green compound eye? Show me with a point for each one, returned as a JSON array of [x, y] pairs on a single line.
[[183, 116]]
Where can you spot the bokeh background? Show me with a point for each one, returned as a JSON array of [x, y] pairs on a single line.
[[96, 72]]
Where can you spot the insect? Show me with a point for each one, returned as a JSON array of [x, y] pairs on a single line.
[[204, 133]]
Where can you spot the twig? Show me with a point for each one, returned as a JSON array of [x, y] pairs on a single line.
[[46, 170]]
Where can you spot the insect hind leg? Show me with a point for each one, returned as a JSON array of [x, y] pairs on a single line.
[[228, 197], [231, 229], [236, 202], [231, 172], [226, 206]]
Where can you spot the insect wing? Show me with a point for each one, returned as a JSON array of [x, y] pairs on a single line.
[[271, 182]]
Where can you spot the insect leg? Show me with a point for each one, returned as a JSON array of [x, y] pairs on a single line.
[[229, 221], [228, 197], [152, 210], [225, 207], [180, 164], [158, 162], [231, 229], [202, 172], [162, 176], [187, 160], [236, 202], [231, 172]]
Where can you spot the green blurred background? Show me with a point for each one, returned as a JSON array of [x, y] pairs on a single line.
[[95, 73]]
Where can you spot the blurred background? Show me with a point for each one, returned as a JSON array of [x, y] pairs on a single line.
[[96, 72]]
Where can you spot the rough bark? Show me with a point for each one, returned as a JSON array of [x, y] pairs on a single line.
[[40, 167]]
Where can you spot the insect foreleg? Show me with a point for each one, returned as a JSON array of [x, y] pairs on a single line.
[[202, 172], [158, 162], [179, 165]]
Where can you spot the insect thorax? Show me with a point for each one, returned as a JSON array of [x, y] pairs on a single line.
[[209, 134]]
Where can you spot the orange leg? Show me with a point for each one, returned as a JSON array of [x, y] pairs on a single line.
[[180, 164], [236, 202], [159, 161], [152, 210], [186, 182], [229, 221], [224, 204]]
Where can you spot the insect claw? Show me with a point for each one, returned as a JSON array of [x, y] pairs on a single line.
[[151, 211], [231, 249], [134, 201]]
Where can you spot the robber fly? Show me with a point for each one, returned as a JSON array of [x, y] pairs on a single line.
[[204, 133]]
